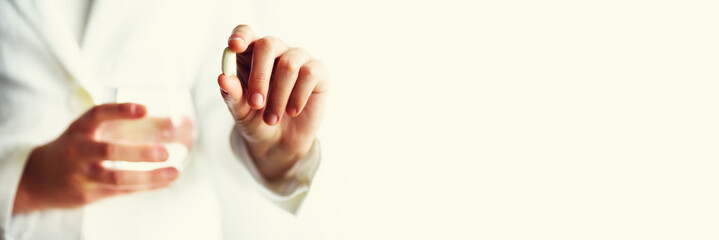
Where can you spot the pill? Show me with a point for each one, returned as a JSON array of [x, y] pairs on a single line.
[[229, 62]]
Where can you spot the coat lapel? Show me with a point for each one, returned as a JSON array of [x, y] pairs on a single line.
[[49, 20], [115, 33]]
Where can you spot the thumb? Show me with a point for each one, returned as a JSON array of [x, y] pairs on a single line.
[[241, 38], [233, 94]]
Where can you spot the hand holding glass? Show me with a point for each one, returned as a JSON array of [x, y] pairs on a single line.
[[169, 122]]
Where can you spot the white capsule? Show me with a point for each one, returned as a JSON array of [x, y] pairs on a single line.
[[229, 62]]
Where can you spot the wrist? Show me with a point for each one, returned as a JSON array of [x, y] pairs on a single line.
[[272, 154], [23, 201], [270, 160], [23, 198]]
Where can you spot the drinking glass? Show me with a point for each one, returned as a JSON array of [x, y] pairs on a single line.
[[169, 121]]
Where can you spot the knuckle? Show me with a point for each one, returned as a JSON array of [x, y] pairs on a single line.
[[264, 44], [83, 197], [289, 63], [310, 71], [94, 113], [114, 178], [104, 150]]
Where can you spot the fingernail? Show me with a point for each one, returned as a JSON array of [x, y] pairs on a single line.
[[239, 40], [137, 110], [133, 109], [256, 99], [169, 173], [292, 111], [271, 118]]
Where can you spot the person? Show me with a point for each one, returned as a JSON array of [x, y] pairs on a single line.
[[54, 57]]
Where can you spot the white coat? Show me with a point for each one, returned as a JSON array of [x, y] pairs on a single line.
[[48, 77]]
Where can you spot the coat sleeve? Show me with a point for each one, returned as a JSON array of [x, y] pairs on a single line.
[[24, 125], [289, 191], [34, 109], [12, 163]]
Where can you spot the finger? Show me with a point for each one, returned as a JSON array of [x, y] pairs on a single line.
[[312, 79], [241, 38], [155, 129], [230, 87], [265, 51], [100, 113], [286, 72], [103, 191], [98, 151], [244, 72], [231, 90], [132, 179]]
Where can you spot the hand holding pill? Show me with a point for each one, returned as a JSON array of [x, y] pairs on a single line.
[[277, 95]]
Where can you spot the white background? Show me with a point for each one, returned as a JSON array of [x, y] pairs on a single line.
[[513, 119]]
